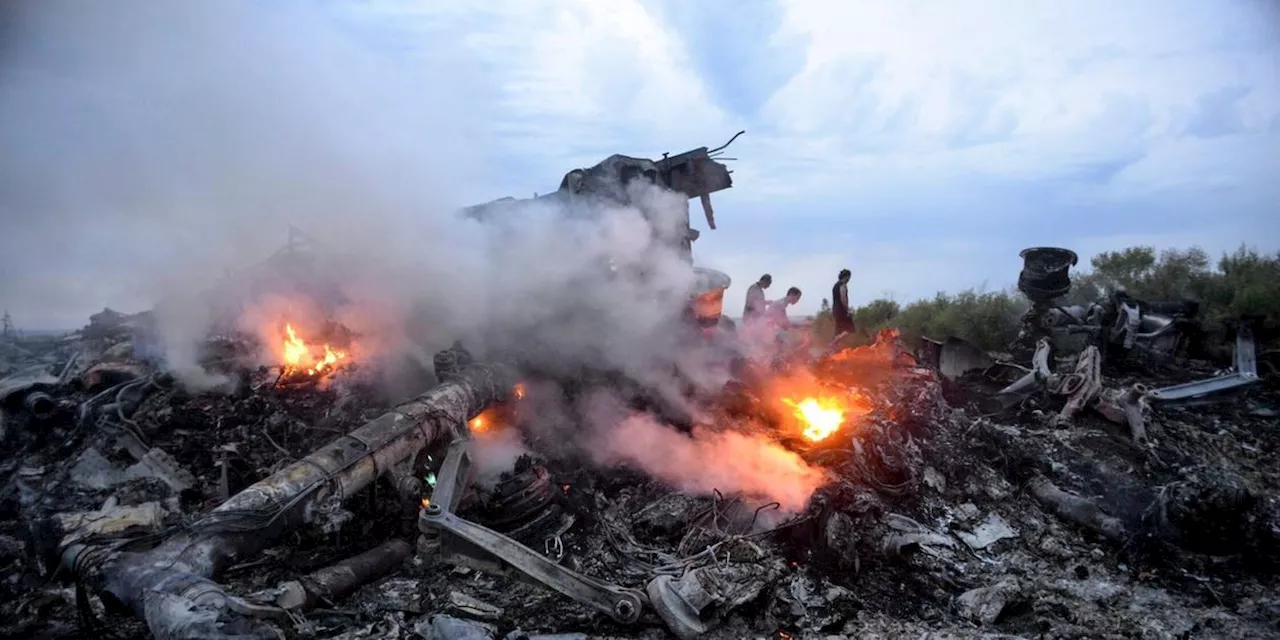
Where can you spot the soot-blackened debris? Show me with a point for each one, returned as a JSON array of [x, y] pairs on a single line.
[[936, 519]]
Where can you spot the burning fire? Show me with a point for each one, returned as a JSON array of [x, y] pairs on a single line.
[[820, 417], [299, 356], [480, 423], [817, 407], [834, 392], [496, 416]]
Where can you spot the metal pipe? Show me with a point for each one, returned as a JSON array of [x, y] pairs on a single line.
[[40, 404], [257, 516], [334, 582], [1074, 508]]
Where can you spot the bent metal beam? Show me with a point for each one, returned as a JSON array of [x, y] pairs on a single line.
[[169, 585]]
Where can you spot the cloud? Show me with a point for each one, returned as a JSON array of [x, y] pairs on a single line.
[[738, 53], [146, 153], [575, 80], [919, 144], [1217, 113]]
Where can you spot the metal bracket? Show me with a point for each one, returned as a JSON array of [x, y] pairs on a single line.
[[621, 604], [1245, 374], [1039, 374]]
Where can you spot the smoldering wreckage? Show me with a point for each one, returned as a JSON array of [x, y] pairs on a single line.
[[1103, 479]]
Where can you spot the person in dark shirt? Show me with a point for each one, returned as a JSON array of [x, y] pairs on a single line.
[[840, 311], [756, 304]]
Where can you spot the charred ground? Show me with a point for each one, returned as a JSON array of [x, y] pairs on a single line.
[[929, 525]]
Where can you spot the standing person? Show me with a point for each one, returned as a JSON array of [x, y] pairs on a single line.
[[756, 304], [777, 309], [840, 311]]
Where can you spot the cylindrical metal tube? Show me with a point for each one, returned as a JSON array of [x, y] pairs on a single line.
[[252, 519], [40, 404], [1072, 507], [338, 580]]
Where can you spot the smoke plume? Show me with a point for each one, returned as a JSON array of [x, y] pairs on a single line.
[[154, 148], [707, 460]]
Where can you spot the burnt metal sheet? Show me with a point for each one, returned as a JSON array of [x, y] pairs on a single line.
[[32, 379]]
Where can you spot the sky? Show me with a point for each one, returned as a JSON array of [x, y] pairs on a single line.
[[919, 144]]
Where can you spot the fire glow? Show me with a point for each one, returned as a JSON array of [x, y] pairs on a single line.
[[496, 416], [820, 401], [820, 417], [480, 423], [300, 356], [817, 409]]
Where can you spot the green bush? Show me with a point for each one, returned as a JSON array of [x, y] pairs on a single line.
[[1242, 283], [868, 318], [988, 320]]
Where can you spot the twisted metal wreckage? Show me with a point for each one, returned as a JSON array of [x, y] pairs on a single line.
[[424, 447], [1120, 327], [170, 586]]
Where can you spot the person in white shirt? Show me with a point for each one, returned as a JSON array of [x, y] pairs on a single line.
[[756, 304], [777, 310]]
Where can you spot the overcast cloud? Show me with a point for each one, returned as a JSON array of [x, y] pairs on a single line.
[[920, 144]]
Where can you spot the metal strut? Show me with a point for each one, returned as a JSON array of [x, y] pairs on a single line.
[[621, 604]]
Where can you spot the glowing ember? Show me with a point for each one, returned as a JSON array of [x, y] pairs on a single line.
[[486, 421], [820, 417], [426, 502], [519, 391], [299, 356]]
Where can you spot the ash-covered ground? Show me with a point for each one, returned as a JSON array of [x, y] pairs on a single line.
[[931, 519]]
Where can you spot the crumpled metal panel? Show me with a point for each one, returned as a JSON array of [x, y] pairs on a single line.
[[32, 379]]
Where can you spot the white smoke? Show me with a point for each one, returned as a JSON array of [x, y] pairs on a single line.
[[155, 146], [706, 460]]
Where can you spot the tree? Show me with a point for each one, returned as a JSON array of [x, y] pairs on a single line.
[[1176, 274], [1125, 268], [875, 314]]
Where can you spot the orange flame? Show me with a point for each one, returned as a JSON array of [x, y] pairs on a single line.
[[833, 392], [426, 502], [820, 417], [299, 356], [483, 422], [816, 407], [519, 391]]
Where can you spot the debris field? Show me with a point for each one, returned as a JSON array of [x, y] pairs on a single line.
[[933, 514]]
